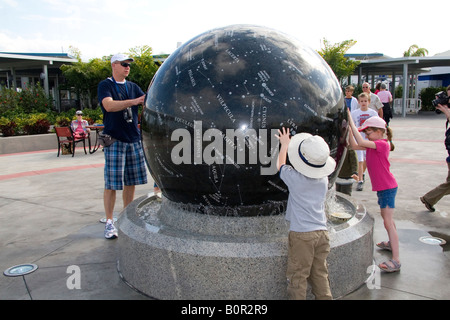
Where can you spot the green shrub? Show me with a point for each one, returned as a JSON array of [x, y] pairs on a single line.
[[36, 124], [29, 100], [398, 92], [93, 115], [427, 95], [7, 127], [62, 121], [30, 111], [8, 101], [22, 123]]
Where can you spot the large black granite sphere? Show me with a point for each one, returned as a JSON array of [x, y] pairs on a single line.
[[214, 106]]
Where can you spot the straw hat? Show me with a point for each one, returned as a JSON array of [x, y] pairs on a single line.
[[310, 155]]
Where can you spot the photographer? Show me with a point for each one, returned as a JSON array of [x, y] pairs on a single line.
[[432, 197], [124, 156]]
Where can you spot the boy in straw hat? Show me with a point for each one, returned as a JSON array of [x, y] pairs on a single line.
[[307, 180]]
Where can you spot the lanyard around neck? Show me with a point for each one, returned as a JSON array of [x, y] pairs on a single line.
[[118, 90]]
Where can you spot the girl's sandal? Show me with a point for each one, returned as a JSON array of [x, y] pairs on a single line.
[[385, 266], [384, 245]]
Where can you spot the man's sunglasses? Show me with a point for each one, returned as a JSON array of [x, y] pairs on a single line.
[[125, 64]]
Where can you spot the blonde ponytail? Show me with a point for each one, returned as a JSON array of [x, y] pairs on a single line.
[[390, 135]]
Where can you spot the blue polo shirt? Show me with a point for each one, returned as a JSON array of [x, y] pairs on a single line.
[[114, 122]]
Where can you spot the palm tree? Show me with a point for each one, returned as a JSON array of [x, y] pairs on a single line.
[[415, 51]]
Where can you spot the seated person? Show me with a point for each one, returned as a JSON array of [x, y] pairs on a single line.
[[79, 126]]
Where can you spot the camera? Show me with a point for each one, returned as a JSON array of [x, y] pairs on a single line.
[[441, 98], [128, 115]]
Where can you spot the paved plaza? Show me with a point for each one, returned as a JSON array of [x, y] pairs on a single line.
[[50, 209]]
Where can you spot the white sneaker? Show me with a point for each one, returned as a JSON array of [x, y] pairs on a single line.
[[110, 230]]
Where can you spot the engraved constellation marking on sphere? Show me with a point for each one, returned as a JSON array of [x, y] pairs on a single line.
[[232, 55]]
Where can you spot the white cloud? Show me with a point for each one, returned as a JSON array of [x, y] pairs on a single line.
[[36, 43], [9, 3]]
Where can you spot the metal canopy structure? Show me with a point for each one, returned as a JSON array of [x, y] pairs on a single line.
[[395, 65], [33, 60], [42, 66], [401, 66]]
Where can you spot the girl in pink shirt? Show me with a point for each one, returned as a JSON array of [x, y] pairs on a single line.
[[383, 181]]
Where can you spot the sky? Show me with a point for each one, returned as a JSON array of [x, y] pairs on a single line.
[[100, 28]]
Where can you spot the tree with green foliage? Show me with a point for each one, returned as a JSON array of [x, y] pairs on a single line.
[[333, 54], [143, 68], [415, 51], [429, 94], [85, 76], [28, 100]]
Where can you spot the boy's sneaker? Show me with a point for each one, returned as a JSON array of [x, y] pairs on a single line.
[[359, 186], [110, 230]]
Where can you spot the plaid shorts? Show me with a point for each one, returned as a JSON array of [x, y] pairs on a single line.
[[124, 164]]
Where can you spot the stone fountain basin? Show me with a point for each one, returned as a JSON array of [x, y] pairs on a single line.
[[168, 252]]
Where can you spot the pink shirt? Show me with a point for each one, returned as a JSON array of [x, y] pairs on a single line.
[[385, 96], [378, 166], [80, 128]]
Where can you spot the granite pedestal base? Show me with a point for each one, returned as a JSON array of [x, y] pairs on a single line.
[[167, 251]]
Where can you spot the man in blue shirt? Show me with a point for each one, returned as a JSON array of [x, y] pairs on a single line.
[[124, 159]]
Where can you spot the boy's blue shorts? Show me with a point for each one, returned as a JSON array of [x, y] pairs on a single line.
[[124, 164], [386, 198]]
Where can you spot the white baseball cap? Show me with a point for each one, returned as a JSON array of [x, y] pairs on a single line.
[[310, 155], [120, 57]]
